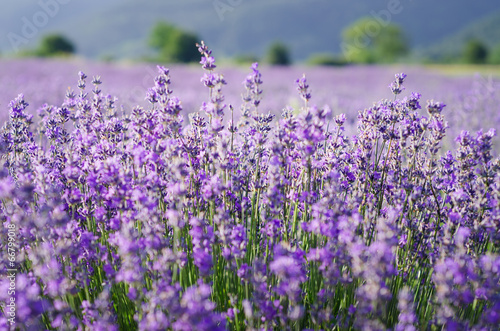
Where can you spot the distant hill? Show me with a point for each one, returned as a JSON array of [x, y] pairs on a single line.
[[486, 29], [119, 28]]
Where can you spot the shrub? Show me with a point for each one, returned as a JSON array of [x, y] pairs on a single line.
[[278, 54], [54, 45], [173, 44], [325, 60], [475, 52], [369, 41]]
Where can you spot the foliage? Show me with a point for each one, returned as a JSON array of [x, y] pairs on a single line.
[[475, 52], [278, 54], [369, 41], [494, 55], [54, 45], [485, 29], [173, 44], [245, 59], [325, 60]]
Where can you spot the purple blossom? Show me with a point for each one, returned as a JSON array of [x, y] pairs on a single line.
[[303, 88], [435, 107], [397, 85]]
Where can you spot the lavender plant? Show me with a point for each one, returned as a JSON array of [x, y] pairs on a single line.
[[141, 221]]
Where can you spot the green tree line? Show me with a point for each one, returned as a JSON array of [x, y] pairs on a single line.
[[365, 41]]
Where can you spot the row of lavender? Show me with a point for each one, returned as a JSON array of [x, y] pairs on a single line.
[[145, 222], [473, 100]]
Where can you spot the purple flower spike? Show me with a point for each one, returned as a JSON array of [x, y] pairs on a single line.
[[413, 101], [397, 85], [208, 63], [435, 107], [303, 88]]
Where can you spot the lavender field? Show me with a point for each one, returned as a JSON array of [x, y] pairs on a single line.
[[473, 100], [267, 198]]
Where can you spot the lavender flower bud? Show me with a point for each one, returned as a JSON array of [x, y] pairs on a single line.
[[434, 107]]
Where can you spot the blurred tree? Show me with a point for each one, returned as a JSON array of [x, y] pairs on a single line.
[[245, 59], [475, 52], [369, 40], [494, 55], [325, 59], [54, 45], [174, 44], [278, 54]]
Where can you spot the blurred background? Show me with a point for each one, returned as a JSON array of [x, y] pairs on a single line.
[[326, 32]]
